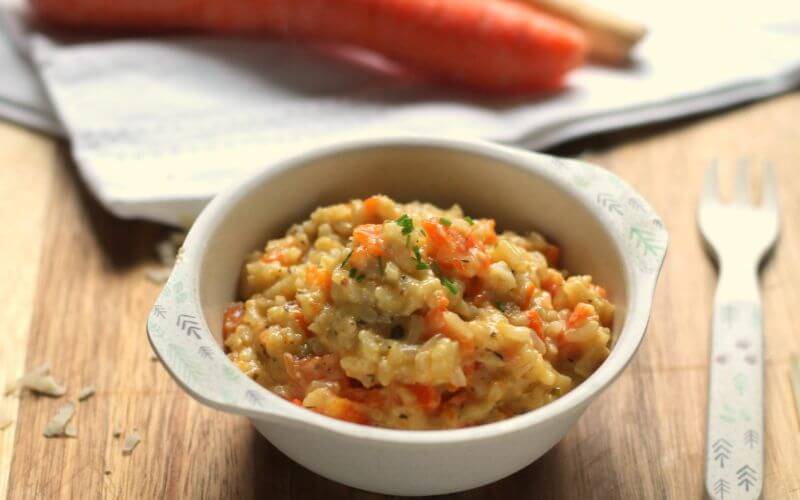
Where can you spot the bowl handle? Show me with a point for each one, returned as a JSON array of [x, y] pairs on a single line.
[[183, 342], [639, 229]]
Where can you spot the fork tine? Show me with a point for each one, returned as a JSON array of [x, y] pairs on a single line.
[[711, 185], [769, 187], [742, 193]]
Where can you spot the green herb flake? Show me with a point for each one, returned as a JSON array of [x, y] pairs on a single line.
[[445, 221], [353, 272], [469, 220], [344, 262], [406, 223], [420, 263], [449, 284], [380, 265], [360, 277]]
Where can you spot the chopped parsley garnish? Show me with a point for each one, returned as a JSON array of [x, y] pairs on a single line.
[[380, 265], [445, 221], [446, 282], [469, 220], [344, 262], [420, 263], [406, 223], [360, 277], [501, 306], [449, 284], [353, 272], [421, 230]]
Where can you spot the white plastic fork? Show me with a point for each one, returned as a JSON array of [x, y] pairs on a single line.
[[739, 235]]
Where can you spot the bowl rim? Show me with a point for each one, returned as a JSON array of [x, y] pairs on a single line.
[[640, 282]]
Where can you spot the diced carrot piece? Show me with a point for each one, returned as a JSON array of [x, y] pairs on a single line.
[[579, 315], [370, 237], [371, 206], [297, 401], [428, 397], [452, 250], [321, 278], [232, 318], [601, 291], [442, 302], [346, 410], [535, 322], [529, 291]]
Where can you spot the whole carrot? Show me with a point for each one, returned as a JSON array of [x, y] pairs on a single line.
[[498, 45]]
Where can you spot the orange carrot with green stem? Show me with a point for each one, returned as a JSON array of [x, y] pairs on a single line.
[[497, 45]]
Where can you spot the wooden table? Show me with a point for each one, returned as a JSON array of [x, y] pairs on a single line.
[[73, 294]]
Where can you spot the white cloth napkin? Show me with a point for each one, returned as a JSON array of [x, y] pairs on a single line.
[[159, 125], [22, 98]]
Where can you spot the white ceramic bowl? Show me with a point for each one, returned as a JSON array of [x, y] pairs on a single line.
[[603, 227]]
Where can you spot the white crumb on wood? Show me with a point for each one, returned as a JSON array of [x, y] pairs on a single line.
[[39, 371], [40, 381], [57, 425], [86, 393], [44, 384], [5, 423], [131, 440], [71, 431]]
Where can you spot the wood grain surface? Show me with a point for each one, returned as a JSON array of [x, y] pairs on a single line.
[[73, 294]]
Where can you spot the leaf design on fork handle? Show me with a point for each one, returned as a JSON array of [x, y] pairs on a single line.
[[721, 487], [746, 477], [722, 451]]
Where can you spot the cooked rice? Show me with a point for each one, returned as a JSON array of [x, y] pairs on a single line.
[[411, 316]]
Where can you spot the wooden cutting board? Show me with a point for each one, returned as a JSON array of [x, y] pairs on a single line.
[[73, 293]]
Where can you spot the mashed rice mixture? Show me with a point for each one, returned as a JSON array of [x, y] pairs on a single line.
[[414, 317]]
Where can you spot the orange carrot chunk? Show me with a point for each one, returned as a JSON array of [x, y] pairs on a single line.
[[428, 398], [370, 237], [453, 250], [233, 316], [535, 322], [345, 409], [371, 206], [579, 315], [497, 45]]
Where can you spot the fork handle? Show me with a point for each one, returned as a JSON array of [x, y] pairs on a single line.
[[735, 435]]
